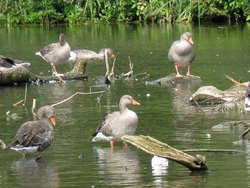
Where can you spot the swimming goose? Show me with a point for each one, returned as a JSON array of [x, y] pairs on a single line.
[[181, 53], [6, 63], [35, 136], [119, 123], [56, 53]]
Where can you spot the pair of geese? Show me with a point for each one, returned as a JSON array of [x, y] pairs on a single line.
[[59, 53], [36, 136]]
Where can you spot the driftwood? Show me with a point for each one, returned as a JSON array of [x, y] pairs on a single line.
[[171, 79], [211, 95], [155, 147], [234, 126], [20, 74]]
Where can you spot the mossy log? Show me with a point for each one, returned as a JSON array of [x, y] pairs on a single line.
[[20, 74], [155, 147], [14, 75], [171, 79]]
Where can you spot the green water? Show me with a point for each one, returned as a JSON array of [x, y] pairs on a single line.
[[74, 161]]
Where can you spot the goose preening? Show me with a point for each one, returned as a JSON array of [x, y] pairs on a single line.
[[89, 55], [6, 63], [118, 123], [181, 53], [35, 136], [56, 53]]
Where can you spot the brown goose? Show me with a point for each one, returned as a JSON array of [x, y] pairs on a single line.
[[56, 53], [181, 53], [118, 123], [35, 136], [6, 62]]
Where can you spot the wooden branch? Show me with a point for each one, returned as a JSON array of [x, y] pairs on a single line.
[[155, 147], [245, 133], [77, 93]]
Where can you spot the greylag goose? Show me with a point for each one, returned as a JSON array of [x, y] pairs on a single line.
[[6, 63], [84, 54], [56, 53], [35, 136], [118, 123], [181, 53], [89, 55]]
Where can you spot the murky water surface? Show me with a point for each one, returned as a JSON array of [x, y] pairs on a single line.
[[74, 161]]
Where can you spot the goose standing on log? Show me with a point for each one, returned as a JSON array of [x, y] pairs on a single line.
[[35, 136], [56, 53], [181, 53], [118, 123], [6, 63]]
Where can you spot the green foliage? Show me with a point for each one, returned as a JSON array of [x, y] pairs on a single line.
[[15, 12]]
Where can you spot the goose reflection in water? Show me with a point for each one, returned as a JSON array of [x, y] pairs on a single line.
[[120, 167], [159, 170], [32, 173]]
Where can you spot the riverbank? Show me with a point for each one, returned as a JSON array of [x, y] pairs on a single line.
[[141, 11]]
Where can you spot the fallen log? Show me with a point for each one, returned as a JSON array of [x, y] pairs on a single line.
[[171, 79], [155, 147], [19, 74], [14, 75]]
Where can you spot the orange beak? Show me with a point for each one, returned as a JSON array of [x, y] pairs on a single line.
[[191, 40], [53, 120], [135, 103]]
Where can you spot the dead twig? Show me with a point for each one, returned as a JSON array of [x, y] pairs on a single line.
[[235, 81], [25, 97], [77, 93], [33, 107], [59, 77], [25, 94], [196, 102], [19, 102], [245, 133]]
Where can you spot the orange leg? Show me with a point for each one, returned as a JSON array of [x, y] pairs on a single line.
[[188, 70], [112, 144], [125, 145], [178, 75]]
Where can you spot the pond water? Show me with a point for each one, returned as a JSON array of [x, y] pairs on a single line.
[[74, 161]]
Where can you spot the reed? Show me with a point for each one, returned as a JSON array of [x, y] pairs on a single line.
[[14, 12]]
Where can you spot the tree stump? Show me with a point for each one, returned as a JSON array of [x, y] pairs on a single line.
[[155, 147]]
